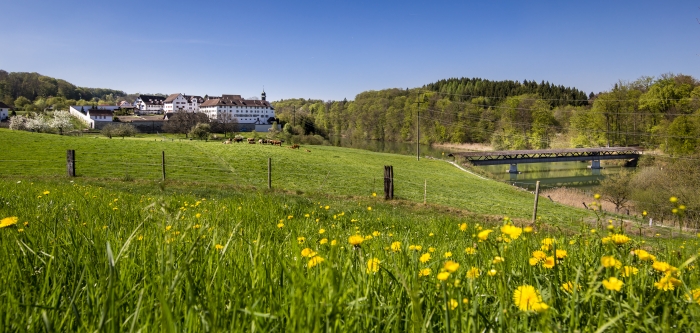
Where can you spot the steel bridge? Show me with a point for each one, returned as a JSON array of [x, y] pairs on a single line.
[[513, 157]]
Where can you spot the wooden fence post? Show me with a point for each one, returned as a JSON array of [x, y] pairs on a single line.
[[425, 193], [163, 164], [70, 162], [269, 173], [388, 182], [537, 196]]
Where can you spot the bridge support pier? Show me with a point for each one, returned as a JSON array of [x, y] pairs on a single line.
[[595, 164], [513, 168]]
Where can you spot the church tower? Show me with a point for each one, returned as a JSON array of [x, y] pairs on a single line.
[[263, 95]]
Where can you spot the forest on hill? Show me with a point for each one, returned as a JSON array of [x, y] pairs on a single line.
[[34, 92], [661, 112]]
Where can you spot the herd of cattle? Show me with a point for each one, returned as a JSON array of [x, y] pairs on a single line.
[[261, 141]]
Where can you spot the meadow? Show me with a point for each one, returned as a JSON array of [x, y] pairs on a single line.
[[106, 252]]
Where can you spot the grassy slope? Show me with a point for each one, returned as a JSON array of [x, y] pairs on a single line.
[[333, 170]]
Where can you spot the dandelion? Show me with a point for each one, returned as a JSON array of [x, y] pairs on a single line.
[[673, 199], [498, 260], [643, 255], [301, 240], [619, 239], [568, 286], [548, 263], [561, 254], [198, 215], [431, 249], [47, 192], [473, 273], [483, 235], [463, 227], [373, 265], [527, 298], [425, 257], [280, 225], [451, 266], [492, 272], [219, 247], [610, 261], [20, 230], [667, 282], [613, 283], [323, 241], [527, 229], [662, 267], [327, 207], [334, 242], [374, 194], [424, 272], [376, 233], [452, 304], [596, 196], [314, 261], [369, 208], [443, 276], [8, 221], [307, 253], [321, 231], [447, 254], [470, 250], [693, 296], [540, 255], [140, 237], [533, 261], [512, 231], [628, 271], [355, 240]]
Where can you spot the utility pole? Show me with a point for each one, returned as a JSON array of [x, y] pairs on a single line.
[[419, 102]]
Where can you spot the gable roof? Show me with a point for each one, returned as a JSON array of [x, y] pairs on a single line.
[[235, 100], [171, 98], [4, 106], [153, 100], [190, 99], [99, 112]]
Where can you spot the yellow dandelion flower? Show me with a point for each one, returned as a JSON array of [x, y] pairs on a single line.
[[396, 246], [369, 208], [219, 247], [470, 250], [307, 253], [447, 254], [498, 260], [610, 262], [533, 261], [452, 304], [512, 231], [628, 271], [484, 235], [321, 231], [280, 225], [561, 254], [425, 257], [473, 273], [662, 267], [376, 233], [492, 272], [613, 283], [323, 241], [424, 272], [431, 234], [693, 296], [667, 282], [463, 227], [355, 240], [569, 286], [673, 199], [314, 261], [527, 229], [548, 262], [443, 276], [374, 194], [334, 242], [643, 255], [527, 298], [539, 255], [198, 215], [20, 230], [327, 207], [451, 266], [606, 240], [301, 240], [290, 217], [619, 239], [596, 196], [167, 228], [8, 221], [47, 192], [373, 265]]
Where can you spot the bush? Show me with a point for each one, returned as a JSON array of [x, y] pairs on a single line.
[[122, 130], [200, 131]]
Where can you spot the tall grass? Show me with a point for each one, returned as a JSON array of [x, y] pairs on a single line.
[[112, 256]]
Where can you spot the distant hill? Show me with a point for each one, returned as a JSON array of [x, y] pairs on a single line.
[[494, 92], [33, 85]]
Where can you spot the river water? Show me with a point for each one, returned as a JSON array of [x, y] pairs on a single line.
[[558, 174]]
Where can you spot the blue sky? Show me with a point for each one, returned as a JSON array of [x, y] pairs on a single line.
[[332, 50]]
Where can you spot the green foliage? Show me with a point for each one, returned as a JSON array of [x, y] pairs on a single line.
[[200, 131], [34, 85]]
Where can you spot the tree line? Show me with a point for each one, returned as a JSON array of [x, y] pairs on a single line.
[[661, 112]]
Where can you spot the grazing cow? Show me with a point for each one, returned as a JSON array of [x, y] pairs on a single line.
[[237, 140], [308, 151], [260, 141], [251, 141], [227, 141], [294, 146], [276, 143]]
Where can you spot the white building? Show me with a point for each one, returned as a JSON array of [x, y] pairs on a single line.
[[257, 114], [180, 102], [193, 102], [93, 116], [149, 104], [4, 111]]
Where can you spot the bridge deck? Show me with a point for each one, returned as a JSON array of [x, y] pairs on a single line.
[[549, 155]]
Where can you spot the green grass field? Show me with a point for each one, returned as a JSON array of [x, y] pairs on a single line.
[[116, 250]]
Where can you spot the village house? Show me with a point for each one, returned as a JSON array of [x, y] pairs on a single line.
[[250, 114], [4, 111], [180, 102], [94, 116], [147, 104]]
